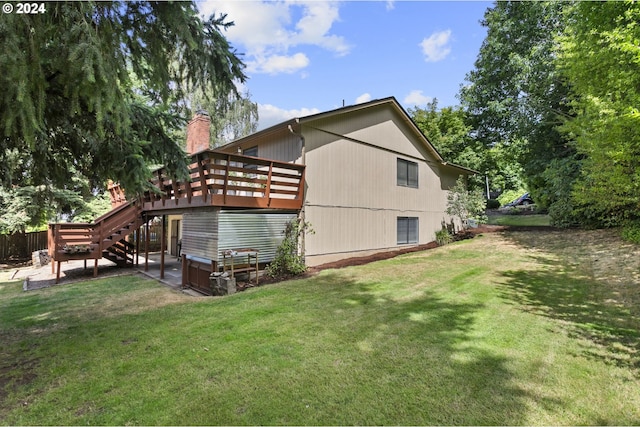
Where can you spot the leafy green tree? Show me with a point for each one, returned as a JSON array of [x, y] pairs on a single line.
[[516, 97], [96, 206], [503, 167], [447, 130], [600, 55], [90, 90], [24, 208], [465, 205]]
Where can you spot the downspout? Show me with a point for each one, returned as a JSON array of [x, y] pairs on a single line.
[[303, 156]]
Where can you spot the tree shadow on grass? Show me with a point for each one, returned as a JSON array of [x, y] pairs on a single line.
[[383, 358], [425, 347], [602, 311]]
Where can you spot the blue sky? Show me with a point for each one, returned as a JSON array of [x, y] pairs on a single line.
[[304, 57]]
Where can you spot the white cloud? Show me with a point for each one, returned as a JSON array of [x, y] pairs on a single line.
[[365, 97], [390, 4], [416, 98], [276, 64], [435, 47], [266, 29], [315, 24], [271, 115]]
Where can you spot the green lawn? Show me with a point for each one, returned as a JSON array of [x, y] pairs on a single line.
[[502, 329], [534, 220]]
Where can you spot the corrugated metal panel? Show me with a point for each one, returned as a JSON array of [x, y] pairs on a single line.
[[261, 231], [200, 233]]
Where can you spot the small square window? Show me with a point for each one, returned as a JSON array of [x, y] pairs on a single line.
[[407, 174], [407, 229]]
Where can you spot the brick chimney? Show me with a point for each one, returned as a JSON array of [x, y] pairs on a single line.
[[198, 132]]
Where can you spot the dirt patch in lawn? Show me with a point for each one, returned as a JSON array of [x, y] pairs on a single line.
[[601, 253], [587, 279]]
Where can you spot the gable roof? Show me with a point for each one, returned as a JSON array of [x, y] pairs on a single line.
[[391, 101]]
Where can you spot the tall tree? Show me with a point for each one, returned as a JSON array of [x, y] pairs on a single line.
[[231, 118], [600, 56], [516, 97], [448, 129], [89, 90]]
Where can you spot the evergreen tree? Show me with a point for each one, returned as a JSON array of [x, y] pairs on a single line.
[[91, 92]]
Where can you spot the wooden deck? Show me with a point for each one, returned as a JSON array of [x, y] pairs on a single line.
[[232, 181], [215, 179]]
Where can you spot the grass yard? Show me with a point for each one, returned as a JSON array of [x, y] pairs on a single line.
[[528, 220], [512, 328]]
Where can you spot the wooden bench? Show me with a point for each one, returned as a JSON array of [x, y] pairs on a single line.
[[230, 257]]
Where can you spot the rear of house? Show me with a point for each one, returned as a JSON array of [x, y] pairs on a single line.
[[373, 181], [363, 176]]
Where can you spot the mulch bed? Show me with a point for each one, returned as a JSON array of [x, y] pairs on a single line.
[[349, 262]]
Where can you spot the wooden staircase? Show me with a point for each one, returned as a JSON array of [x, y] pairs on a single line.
[[121, 253], [103, 238]]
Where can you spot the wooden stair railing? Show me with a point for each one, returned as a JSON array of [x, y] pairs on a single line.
[[102, 238]]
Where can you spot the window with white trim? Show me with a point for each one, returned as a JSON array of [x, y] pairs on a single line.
[[407, 173], [407, 230]]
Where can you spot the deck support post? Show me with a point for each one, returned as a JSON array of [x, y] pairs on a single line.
[[162, 245], [146, 242], [95, 267], [58, 274], [137, 246]]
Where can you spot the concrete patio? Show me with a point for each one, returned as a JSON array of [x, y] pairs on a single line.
[[78, 270]]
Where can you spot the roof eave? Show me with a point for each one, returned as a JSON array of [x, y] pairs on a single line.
[[466, 170]]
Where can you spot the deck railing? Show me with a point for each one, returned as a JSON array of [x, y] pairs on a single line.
[[88, 240], [230, 180]]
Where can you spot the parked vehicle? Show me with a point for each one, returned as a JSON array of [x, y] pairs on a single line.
[[524, 200]]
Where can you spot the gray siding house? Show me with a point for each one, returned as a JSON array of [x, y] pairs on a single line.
[[373, 181]]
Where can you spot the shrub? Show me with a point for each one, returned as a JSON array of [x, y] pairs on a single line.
[[493, 204], [464, 204], [289, 259], [631, 232], [443, 237]]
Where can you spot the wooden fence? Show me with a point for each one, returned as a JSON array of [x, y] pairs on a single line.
[[19, 246]]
